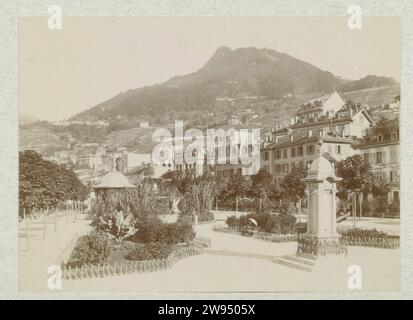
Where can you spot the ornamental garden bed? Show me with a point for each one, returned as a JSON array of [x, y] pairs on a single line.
[[369, 238], [117, 265], [155, 247]]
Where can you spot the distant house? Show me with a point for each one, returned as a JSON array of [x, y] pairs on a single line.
[[234, 120], [381, 149], [144, 124], [329, 113], [322, 106]]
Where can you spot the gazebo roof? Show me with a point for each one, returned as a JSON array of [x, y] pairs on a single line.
[[114, 180]]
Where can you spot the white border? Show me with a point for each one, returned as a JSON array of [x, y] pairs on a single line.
[[11, 10]]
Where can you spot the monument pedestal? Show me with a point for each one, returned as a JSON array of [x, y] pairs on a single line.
[[320, 246], [321, 237]]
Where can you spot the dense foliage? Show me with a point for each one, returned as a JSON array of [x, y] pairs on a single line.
[[150, 251], [356, 174], [44, 184], [90, 249], [274, 223], [154, 230], [363, 233]]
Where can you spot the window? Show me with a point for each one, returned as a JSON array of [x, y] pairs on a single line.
[[366, 157], [278, 154], [292, 152], [300, 151], [285, 167], [394, 136], [379, 157], [380, 138], [239, 171], [391, 176], [338, 149], [301, 165], [310, 149], [266, 156], [285, 156]]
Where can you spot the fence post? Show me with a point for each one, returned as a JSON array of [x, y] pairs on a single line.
[[44, 223]]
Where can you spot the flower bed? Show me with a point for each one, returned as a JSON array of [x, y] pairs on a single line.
[[137, 266], [272, 237], [368, 238], [384, 243]]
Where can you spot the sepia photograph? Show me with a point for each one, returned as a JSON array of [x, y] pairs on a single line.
[[209, 154]]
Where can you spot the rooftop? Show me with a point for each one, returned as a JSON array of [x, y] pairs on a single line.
[[114, 180]]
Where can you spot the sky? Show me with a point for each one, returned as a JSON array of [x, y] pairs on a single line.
[[91, 59]]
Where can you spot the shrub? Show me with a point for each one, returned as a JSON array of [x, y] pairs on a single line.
[[232, 222], [363, 233], [284, 223], [150, 251], [171, 233], [90, 249]]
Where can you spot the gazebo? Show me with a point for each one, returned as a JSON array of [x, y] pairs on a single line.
[[112, 182]]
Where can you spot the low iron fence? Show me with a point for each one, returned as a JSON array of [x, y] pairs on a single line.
[[383, 243], [121, 268], [272, 237]]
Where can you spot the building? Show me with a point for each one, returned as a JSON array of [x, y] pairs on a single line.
[[331, 114], [234, 120], [381, 149], [299, 148], [323, 106]]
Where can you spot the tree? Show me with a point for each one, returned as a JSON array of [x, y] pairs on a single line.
[[356, 175], [261, 181], [44, 184], [293, 187], [357, 178], [236, 187]]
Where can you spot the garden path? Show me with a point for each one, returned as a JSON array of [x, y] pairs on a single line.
[[240, 264], [35, 259]]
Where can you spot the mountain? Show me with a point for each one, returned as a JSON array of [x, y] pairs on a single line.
[[26, 119], [243, 72], [229, 81], [370, 81]]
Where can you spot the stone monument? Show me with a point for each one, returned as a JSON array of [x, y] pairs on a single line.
[[321, 237]]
